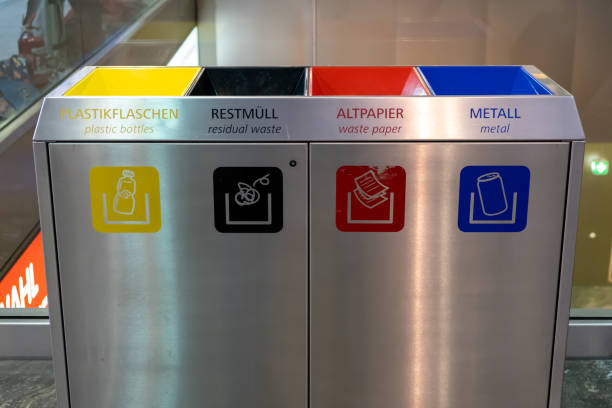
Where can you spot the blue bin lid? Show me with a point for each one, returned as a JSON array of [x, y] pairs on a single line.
[[481, 80]]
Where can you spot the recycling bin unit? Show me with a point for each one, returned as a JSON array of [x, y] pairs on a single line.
[[322, 237]]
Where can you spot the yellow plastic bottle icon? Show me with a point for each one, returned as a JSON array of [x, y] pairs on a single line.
[[125, 199], [124, 202]]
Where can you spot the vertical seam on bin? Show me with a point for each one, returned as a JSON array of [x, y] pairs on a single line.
[[57, 268], [307, 81], [559, 276], [309, 91], [308, 276]]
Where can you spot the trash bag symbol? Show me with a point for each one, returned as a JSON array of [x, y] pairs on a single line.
[[249, 195], [248, 199]]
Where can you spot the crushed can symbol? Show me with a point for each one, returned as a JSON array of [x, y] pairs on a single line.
[[493, 198]]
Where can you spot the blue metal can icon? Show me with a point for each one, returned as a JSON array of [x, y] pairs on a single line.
[[492, 194]]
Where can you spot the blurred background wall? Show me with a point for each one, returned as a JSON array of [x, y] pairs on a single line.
[[570, 40]]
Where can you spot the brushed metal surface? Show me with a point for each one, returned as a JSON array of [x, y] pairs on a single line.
[[567, 268], [545, 80], [305, 118], [25, 338], [187, 316], [431, 316], [589, 339], [47, 225]]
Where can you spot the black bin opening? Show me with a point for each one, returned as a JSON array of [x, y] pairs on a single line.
[[251, 81]]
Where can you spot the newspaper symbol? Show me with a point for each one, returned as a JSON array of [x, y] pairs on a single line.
[[370, 191], [370, 198]]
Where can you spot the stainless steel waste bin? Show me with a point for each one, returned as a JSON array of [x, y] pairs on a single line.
[[323, 237]]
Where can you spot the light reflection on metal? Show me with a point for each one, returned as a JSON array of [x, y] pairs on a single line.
[[445, 307], [417, 290]]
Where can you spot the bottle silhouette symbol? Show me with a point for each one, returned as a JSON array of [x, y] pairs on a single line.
[[124, 202]]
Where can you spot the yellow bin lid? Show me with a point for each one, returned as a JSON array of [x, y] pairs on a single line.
[[135, 81]]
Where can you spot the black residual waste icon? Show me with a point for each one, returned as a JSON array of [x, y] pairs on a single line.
[[248, 199]]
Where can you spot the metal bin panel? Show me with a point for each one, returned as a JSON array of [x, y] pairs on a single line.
[[185, 316], [430, 315]]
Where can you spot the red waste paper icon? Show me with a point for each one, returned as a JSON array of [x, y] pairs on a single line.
[[370, 198]]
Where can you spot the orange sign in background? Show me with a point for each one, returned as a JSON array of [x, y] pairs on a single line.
[[24, 286]]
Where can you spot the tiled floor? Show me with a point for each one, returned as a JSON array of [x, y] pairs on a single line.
[[29, 384], [26, 384], [587, 384]]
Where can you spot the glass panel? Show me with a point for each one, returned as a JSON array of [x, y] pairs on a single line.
[[24, 284], [593, 263], [18, 226], [101, 19], [42, 42], [156, 41], [40, 45]]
